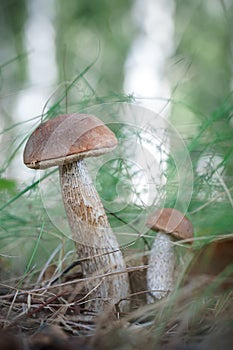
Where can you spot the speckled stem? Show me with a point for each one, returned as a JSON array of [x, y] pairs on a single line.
[[93, 236], [160, 273]]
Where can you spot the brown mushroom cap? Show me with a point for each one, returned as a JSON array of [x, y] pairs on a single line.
[[213, 258], [171, 221], [67, 138]]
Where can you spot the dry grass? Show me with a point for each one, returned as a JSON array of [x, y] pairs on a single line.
[[55, 314]]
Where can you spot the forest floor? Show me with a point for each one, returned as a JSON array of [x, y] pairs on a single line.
[[196, 316]]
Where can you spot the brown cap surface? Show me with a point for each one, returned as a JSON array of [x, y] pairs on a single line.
[[171, 221], [67, 138], [213, 258]]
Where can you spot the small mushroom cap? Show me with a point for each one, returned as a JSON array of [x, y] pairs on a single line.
[[171, 221], [67, 138]]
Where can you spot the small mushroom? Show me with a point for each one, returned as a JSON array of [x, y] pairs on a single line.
[[65, 141], [170, 225]]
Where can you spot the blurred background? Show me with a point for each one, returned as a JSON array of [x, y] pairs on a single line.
[[174, 57]]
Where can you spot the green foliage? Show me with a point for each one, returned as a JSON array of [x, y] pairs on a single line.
[[8, 185], [95, 30], [12, 19], [211, 152], [202, 111], [203, 56]]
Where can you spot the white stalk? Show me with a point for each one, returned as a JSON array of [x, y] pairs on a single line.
[[93, 237], [160, 273]]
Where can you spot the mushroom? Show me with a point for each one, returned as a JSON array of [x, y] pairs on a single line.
[[212, 263], [170, 224], [65, 141]]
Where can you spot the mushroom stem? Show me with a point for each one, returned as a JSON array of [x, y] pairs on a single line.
[[160, 273], [93, 237]]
